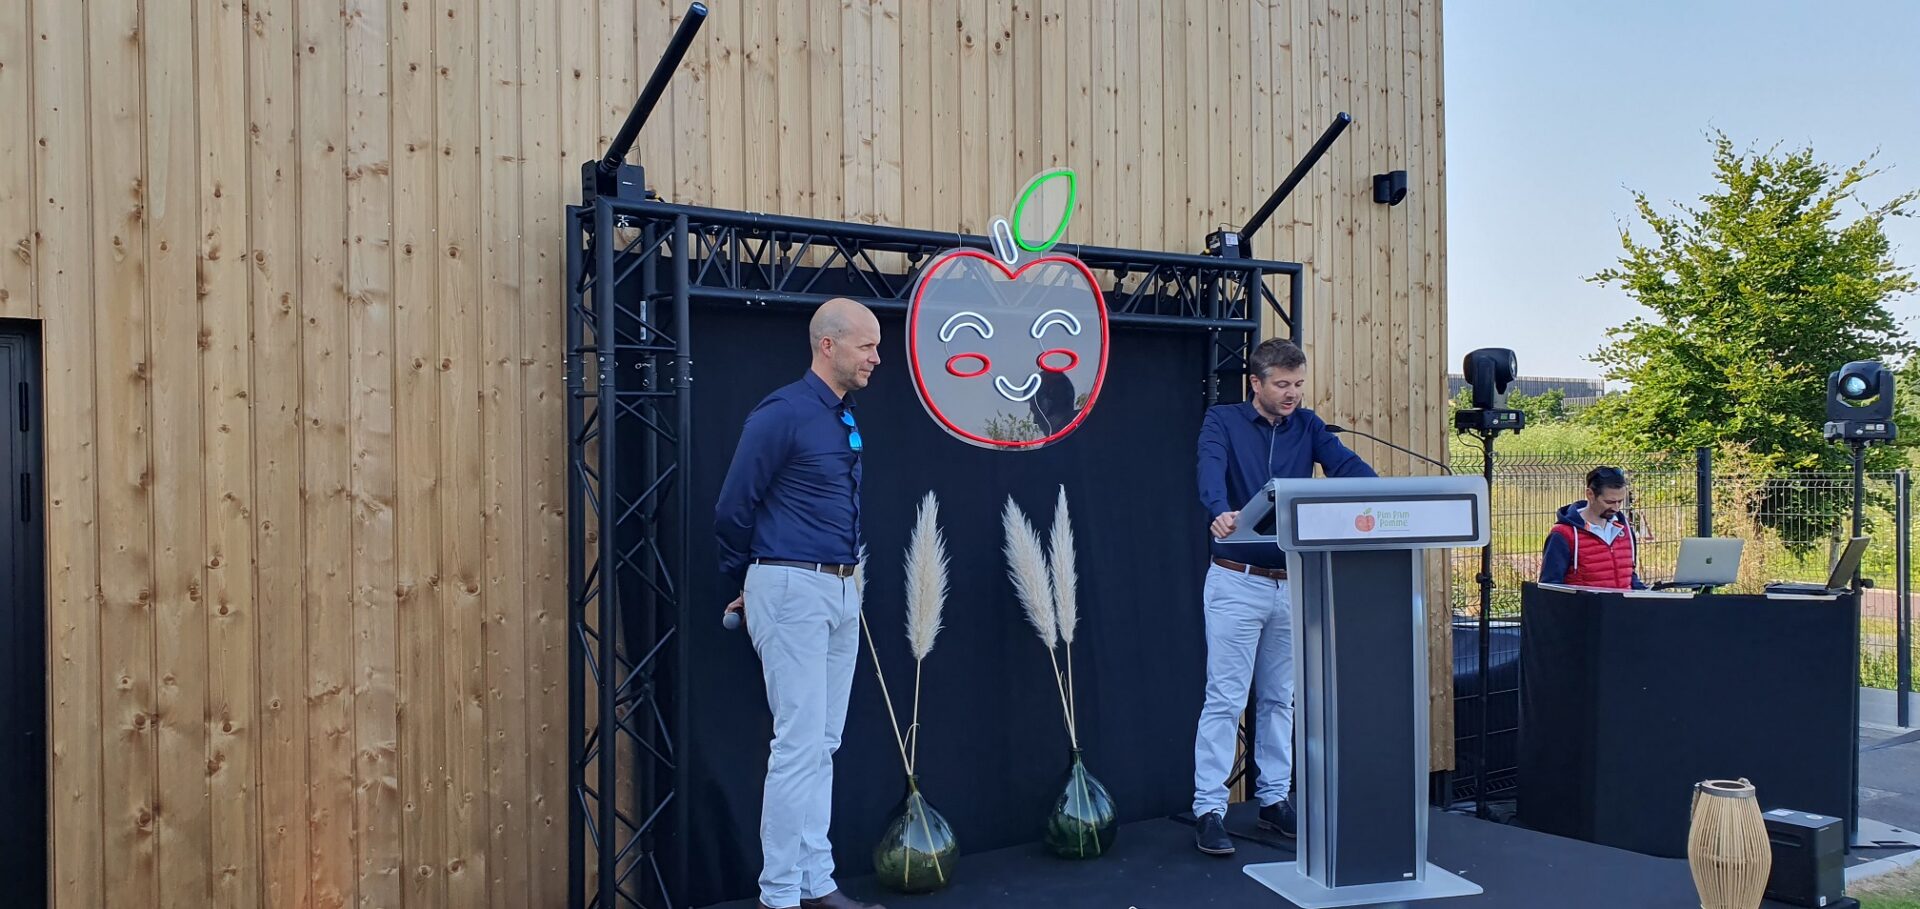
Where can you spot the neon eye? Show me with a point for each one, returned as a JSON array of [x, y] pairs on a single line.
[[968, 319], [955, 365], [1057, 355], [1054, 317]]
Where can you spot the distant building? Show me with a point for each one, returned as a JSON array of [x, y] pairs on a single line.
[[1579, 392]]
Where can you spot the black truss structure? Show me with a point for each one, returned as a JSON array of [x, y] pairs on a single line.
[[635, 271]]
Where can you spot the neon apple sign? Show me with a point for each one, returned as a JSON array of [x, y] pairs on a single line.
[[1009, 351]]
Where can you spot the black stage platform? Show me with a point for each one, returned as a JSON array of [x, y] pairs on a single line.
[[1154, 866]]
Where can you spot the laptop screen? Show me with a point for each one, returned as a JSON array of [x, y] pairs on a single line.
[[1847, 563]]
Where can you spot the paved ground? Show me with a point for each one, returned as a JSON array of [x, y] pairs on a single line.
[[1890, 776]]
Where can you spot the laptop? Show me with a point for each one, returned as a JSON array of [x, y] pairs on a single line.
[[1837, 580], [1707, 562]]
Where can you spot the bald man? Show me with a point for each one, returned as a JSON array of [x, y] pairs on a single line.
[[788, 523]]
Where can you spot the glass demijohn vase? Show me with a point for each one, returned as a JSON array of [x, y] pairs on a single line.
[[917, 852], [1084, 820]]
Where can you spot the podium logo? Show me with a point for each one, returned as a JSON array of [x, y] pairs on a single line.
[[1385, 520]]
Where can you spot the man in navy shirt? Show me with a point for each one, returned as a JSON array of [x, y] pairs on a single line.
[[788, 528], [1248, 616]]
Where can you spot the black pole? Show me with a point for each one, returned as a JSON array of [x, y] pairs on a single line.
[[1296, 288], [609, 167], [1486, 635], [642, 613], [1859, 497], [1903, 612], [1859, 447], [882, 238], [1703, 491], [809, 299], [576, 570], [606, 400], [1210, 294], [683, 617], [1320, 146]]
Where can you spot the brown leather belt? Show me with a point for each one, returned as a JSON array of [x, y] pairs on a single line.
[[838, 571], [1273, 574]]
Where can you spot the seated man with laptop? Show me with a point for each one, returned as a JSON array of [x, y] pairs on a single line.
[[1592, 544]]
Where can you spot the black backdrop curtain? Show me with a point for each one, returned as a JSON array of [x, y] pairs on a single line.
[[993, 746]]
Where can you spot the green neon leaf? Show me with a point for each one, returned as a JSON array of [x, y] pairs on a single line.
[[1027, 195]]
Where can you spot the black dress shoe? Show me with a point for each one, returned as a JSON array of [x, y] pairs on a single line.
[[1210, 834], [837, 900], [1280, 816]]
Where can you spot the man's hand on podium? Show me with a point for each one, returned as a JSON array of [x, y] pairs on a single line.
[[1224, 523]]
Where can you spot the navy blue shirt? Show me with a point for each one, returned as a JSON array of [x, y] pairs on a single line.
[[793, 490], [1240, 451]]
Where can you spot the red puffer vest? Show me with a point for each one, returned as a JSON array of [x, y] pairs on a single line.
[[1597, 563]]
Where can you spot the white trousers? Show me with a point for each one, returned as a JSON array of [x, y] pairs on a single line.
[[1249, 643], [805, 626]]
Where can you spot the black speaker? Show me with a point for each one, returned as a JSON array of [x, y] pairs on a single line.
[[1809, 855]]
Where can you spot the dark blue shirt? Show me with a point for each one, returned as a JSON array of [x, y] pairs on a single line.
[[793, 490], [1240, 451]]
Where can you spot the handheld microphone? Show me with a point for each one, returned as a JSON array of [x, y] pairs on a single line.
[[730, 621], [1366, 435]]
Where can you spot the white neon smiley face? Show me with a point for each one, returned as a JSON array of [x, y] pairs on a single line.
[[1007, 358], [972, 365]]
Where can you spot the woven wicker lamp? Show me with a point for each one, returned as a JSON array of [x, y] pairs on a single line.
[[1727, 845]]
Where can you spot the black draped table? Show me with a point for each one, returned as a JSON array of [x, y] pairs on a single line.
[[1628, 700]]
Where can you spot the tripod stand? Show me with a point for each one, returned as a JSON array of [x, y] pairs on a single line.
[[1485, 580]]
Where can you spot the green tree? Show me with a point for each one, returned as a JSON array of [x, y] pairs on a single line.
[[1780, 275], [1549, 406], [1777, 278]]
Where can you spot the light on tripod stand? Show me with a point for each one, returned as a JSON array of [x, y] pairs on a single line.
[[1859, 411], [1490, 371], [1860, 403]]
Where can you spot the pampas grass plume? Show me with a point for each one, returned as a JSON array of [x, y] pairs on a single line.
[[1027, 566], [926, 578], [1065, 579]]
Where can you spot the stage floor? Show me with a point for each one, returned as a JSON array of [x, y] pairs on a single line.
[[1154, 866]]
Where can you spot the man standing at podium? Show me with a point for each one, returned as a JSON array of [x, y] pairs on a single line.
[[1249, 617]]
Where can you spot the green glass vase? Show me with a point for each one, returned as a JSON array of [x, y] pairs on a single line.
[[1084, 820], [917, 852]]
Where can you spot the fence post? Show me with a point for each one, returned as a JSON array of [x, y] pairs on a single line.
[[1703, 491], [1903, 611]]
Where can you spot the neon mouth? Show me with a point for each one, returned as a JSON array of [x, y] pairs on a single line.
[[1020, 393]]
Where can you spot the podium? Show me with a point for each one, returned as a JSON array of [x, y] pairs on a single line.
[[1358, 588]]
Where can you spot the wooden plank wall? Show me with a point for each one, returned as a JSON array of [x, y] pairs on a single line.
[[298, 265]]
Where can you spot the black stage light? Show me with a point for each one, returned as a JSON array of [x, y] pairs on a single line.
[[1860, 402]]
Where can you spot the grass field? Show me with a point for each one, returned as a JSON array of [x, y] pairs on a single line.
[[1899, 890]]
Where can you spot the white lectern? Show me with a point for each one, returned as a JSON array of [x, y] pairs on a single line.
[[1358, 589]]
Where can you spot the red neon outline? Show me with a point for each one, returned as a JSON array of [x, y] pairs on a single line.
[[985, 364], [913, 345], [1041, 360]]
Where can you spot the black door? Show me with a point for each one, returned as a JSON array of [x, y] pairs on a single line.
[[23, 618]]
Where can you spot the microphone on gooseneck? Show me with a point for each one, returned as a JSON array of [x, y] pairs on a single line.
[[1367, 435]]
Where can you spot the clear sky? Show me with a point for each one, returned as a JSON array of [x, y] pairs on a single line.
[[1556, 111]]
